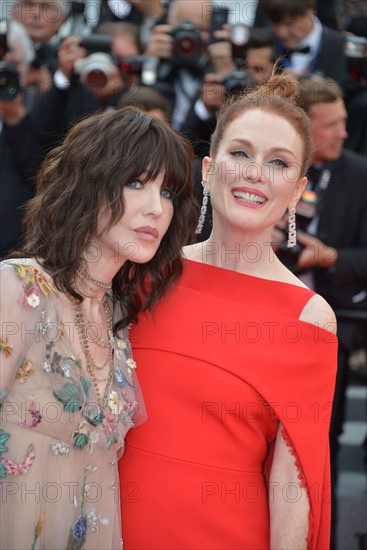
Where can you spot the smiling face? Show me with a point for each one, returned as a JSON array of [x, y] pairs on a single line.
[[256, 173], [138, 233]]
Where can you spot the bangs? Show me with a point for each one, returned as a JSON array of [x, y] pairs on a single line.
[[162, 152], [147, 149]]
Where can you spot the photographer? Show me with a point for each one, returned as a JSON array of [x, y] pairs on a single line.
[[309, 47], [89, 79], [333, 255], [182, 45], [19, 150], [142, 13], [43, 22], [253, 54]]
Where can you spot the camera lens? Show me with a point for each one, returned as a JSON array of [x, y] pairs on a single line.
[[95, 70], [186, 46], [9, 82], [95, 79]]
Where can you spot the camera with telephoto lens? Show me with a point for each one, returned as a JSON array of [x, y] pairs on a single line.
[[9, 78], [355, 50], [239, 80], [187, 45], [97, 68]]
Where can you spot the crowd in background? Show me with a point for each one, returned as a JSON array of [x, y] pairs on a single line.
[[61, 61]]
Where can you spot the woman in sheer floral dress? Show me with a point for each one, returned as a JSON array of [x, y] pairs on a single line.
[[113, 207]]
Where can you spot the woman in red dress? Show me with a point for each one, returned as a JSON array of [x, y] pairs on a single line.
[[237, 364]]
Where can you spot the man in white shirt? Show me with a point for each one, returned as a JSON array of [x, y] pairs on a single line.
[[305, 44]]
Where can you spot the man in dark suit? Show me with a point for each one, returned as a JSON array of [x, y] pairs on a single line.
[[305, 46], [338, 257], [334, 257]]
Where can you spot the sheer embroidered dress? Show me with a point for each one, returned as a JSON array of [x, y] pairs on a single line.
[[58, 445]]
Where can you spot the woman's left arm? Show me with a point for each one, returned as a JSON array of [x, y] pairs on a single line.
[[288, 500]]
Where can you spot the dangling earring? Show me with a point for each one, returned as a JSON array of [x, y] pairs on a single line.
[[292, 233], [204, 207]]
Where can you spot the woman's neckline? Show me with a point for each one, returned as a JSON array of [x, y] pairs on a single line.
[[227, 270]]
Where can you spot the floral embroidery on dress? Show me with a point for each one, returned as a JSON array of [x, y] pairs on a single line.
[[59, 448], [6, 347], [78, 534], [3, 394], [93, 518], [4, 436], [7, 466], [38, 530], [52, 331], [34, 282], [80, 437], [33, 411], [56, 363], [47, 372], [72, 395], [131, 365], [87, 519], [114, 402], [25, 370]]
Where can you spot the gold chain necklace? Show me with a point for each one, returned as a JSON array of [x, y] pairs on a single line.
[[81, 323], [91, 289], [98, 340], [103, 286]]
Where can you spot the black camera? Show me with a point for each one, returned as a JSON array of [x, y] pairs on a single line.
[[187, 45], [9, 78], [239, 80], [95, 69]]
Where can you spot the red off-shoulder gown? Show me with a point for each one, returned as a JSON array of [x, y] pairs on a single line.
[[221, 362]]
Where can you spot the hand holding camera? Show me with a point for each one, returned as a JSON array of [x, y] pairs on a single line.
[[220, 52], [161, 42], [9, 77], [91, 59], [12, 112], [68, 53]]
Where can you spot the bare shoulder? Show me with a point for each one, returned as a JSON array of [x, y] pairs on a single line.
[[194, 252], [318, 312]]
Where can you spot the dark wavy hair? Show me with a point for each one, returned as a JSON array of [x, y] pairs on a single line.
[[98, 157]]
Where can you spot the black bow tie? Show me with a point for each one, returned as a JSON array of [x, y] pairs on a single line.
[[304, 50]]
